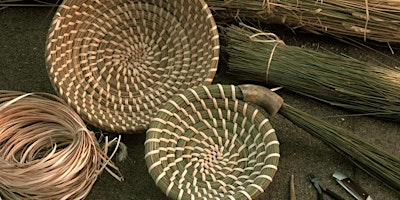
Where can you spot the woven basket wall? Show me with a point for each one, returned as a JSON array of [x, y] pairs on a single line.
[[207, 144], [117, 61]]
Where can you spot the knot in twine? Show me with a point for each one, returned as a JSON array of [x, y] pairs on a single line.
[[270, 38]]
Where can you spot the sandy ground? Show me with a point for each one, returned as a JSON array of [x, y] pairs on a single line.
[[22, 67]]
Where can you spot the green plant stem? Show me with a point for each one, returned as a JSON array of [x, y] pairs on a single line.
[[370, 158], [331, 78]]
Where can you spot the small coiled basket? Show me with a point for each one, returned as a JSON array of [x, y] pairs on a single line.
[[208, 143], [117, 61]]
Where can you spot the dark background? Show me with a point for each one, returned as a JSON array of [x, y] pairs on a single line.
[[23, 32]]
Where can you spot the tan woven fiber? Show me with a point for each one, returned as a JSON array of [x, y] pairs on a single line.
[[46, 151], [377, 20], [117, 61], [207, 143]]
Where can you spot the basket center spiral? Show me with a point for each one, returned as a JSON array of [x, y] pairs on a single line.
[[136, 59], [215, 157]]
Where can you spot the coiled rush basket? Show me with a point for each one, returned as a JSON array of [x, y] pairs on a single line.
[[211, 143], [117, 61]]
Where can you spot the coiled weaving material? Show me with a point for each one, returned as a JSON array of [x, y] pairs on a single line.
[[117, 61], [46, 151], [208, 143]]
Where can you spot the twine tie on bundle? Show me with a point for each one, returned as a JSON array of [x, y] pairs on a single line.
[[271, 38]]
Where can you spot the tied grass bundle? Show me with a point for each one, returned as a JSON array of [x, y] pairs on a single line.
[[373, 19], [341, 81], [46, 151], [368, 157]]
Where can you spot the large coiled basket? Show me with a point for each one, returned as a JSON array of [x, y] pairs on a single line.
[[207, 143], [117, 61]]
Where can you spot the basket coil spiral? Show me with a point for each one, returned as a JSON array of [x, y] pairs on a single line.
[[117, 61], [208, 143]]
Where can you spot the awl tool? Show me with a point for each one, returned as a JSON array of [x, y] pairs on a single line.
[[352, 187]]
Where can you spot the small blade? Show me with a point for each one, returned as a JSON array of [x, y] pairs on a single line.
[[352, 187]]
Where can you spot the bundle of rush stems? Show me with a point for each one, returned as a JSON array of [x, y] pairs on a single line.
[[46, 151], [369, 19], [371, 158], [342, 81], [338, 80]]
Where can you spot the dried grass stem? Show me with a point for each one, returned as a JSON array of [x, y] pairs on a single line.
[[373, 19], [335, 79]]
